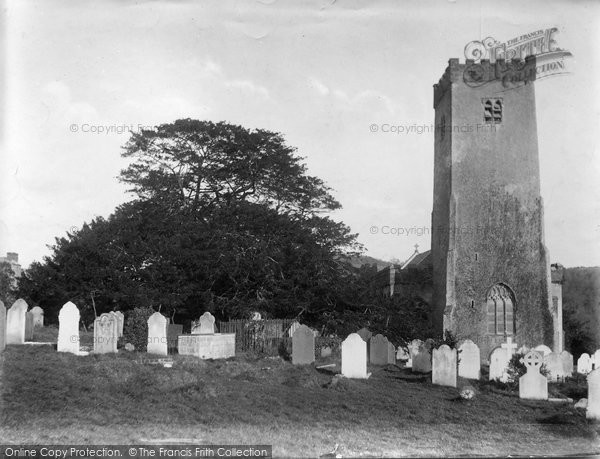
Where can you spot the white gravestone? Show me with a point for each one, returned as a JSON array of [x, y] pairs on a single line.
[[354, 357], [533, 385], [499, 359], [509, 346], [38, 317], [68, 329], [584, 364], [554, 365], [205, 325], [421, 361], [366, 335], [303, 346], [157, 334], [469, 360], [379, 349], [593, 399], [120, 322], [567, 361], [443, 369], [105, 334], [545, 350], [2, 326], [15, 322]]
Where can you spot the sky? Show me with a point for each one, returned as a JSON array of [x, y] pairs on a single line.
[[78, 76]]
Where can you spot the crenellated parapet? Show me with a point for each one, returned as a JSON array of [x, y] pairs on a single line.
[[512, 73]]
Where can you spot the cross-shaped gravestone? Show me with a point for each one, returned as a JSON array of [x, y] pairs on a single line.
[[509, 346], [533, 385]]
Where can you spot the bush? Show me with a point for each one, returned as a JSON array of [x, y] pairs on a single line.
[[136, 328], [516, 369]]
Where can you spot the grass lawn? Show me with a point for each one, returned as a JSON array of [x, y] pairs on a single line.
[[50, 397]]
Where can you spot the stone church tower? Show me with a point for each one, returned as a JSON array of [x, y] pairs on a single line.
[[491, 273]]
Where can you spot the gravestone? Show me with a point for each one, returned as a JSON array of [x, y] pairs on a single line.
[[593, 399], [584, 364], [554, 365], [391, 355], [173, 332], [378, 350], [354, 357], [499, 360], [421, 361], [28, 326], [567, 361], [106, 331], [596, 359], [38, 317], [443, 368], [545, 350], [303, 346], [68, 329], [205, 325], [293, 327], [413, 350], [2, 326], [256, 316], [157, 334], [326, 351], [15, 322], [120, 323], [469, 360], [523, 350], [216, 346], [533, 385]]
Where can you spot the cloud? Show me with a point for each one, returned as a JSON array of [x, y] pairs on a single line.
[[365, 97], [249, 87]]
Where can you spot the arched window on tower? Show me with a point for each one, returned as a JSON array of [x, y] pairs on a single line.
[[500, 304]]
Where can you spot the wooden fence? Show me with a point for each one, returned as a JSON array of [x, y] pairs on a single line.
[[263, 336]]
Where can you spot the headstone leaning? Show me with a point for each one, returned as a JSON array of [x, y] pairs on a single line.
[[15, 322], [106, 334], [28, 326], [157, 334], [469, 360], [378, 352], [593, 404], [499, 360], [68, 329], [584, 364], [567, 363], [443, 368], [303, 346], [2, 326], [533, 385], [38, 317], [354, 357]]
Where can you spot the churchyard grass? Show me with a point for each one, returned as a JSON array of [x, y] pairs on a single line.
[[51, 397]]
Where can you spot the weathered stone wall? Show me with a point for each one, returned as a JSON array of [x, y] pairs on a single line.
[[487, 224]]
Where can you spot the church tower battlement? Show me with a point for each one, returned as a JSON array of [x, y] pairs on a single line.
[[491, 275]]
